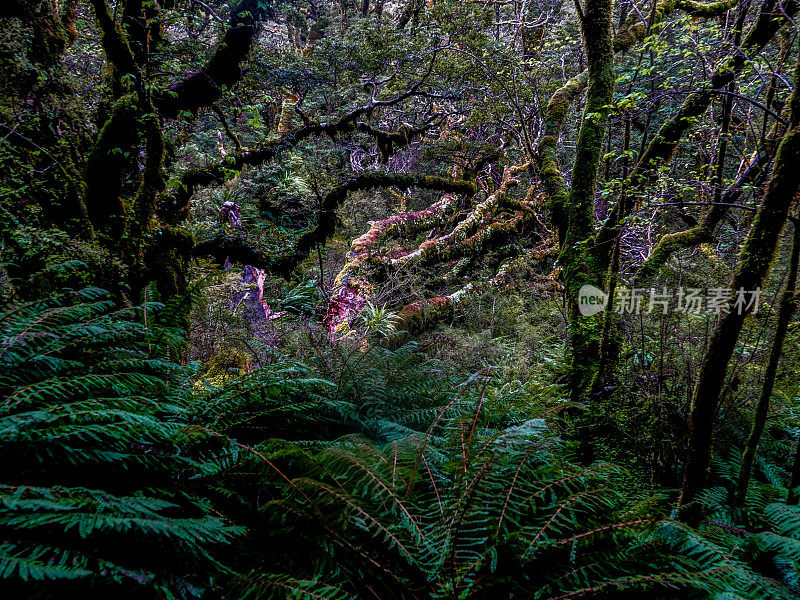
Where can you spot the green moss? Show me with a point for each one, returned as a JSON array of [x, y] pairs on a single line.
[[752, 268], [107, 160], [710, 9], [120, 60], [414, 316]]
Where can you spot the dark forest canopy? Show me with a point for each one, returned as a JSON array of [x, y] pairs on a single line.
[[399, 299]]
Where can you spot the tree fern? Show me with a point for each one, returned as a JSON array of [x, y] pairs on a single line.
[[753, 550], [382, 394], [460, 511], [96, 493]]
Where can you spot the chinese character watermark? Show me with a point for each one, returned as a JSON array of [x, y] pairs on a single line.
[[692, 301]]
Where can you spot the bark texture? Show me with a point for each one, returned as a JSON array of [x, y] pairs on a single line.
[[754, 262], [786, 308]]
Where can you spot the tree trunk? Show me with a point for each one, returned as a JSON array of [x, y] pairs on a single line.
[[577, 260], [754, 262], [788, 304]]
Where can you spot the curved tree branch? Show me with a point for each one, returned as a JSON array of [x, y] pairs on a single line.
[[703, 232], [238, 248], [175, 207], [205, 86]]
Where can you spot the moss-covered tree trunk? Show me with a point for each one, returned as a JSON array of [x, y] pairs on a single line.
[[754, 262], [788, 304], [579, 264]]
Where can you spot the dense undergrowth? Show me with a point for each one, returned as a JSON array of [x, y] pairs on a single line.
[[102, 491], [318, 332], [356, 472]]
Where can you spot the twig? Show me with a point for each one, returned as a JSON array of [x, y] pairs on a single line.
[[209, 9]]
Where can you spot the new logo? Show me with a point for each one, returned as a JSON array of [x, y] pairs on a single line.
[[591, 300]]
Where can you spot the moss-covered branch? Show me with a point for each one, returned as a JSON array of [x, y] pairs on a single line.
[[205, 87], [239, 249], [364, 248], [703, 232], [547, 155], [477, 219], [635, 28], [327, 215], [769, 21], [175, 207]]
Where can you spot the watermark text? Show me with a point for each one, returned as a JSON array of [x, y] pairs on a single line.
[[686, 300]]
